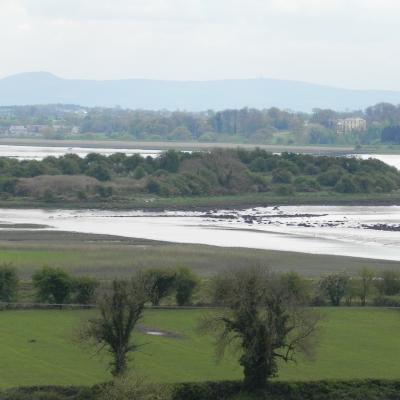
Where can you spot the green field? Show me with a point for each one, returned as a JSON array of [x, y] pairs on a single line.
[[38, 348], [106, 257]]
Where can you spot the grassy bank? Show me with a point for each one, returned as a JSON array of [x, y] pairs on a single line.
[[106, 257], [153, 202], [37, 348]]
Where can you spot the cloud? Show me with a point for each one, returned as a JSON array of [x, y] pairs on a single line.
[[339, 42]]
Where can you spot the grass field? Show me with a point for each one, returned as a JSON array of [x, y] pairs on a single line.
[[108, 257], [38, 347]]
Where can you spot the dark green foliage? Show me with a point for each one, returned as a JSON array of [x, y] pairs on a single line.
[[319, 390], [306, 184], [53, 285], [139, 172], [217, 172], [369, 389], [346, 184], [282, 176], [160, 283], [170, 161], [99, 171], [391, 134], [84, 289], [185, 283], [8, 282], [330, 177]]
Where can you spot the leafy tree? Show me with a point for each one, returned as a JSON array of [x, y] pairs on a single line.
[[53, 285], [8, 282], [99, 171], [334, 286], [170, 161], [346, 184], [84, 288], [160, 283], [139, 172], [282, 176], [120, 310], [263, 319], [185, 283]]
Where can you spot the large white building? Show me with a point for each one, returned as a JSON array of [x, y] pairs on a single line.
[[350, 124]]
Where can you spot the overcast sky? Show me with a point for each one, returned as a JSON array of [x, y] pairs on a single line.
[[348, 43]]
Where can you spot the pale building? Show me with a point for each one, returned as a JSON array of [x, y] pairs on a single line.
[[350, 124]]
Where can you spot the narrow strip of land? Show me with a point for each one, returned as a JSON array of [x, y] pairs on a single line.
[[188, 146]]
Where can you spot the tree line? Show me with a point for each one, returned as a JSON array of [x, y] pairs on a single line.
[[238, 125], [178, 286], [173, 173]]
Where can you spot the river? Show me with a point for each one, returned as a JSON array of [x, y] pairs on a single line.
[[368, 232]]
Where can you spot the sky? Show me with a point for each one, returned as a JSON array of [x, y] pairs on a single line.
[[345, 43]]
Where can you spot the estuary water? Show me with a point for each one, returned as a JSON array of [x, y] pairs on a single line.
[[368, 232]]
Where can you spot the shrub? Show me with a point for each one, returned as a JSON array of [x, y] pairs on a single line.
[[84, 288], [139, 172], [99, 171], [8, 282], [133, 388], [153, 186], [53, 285], [346, 184], [185, 283], [282, 176]]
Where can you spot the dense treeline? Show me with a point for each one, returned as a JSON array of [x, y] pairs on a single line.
[[182, 287], [174, 173], [237, 125]]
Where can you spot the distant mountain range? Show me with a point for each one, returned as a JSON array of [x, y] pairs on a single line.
[[46, 88]]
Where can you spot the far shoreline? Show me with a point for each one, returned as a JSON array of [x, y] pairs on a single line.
[[188, 146]]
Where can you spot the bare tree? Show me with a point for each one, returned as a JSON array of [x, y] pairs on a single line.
[[120, 310], [262, 319]]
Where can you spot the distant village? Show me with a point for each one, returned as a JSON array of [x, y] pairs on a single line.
[[38, 130]]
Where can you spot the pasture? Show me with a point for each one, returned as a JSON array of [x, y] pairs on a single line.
[[40, 348]]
